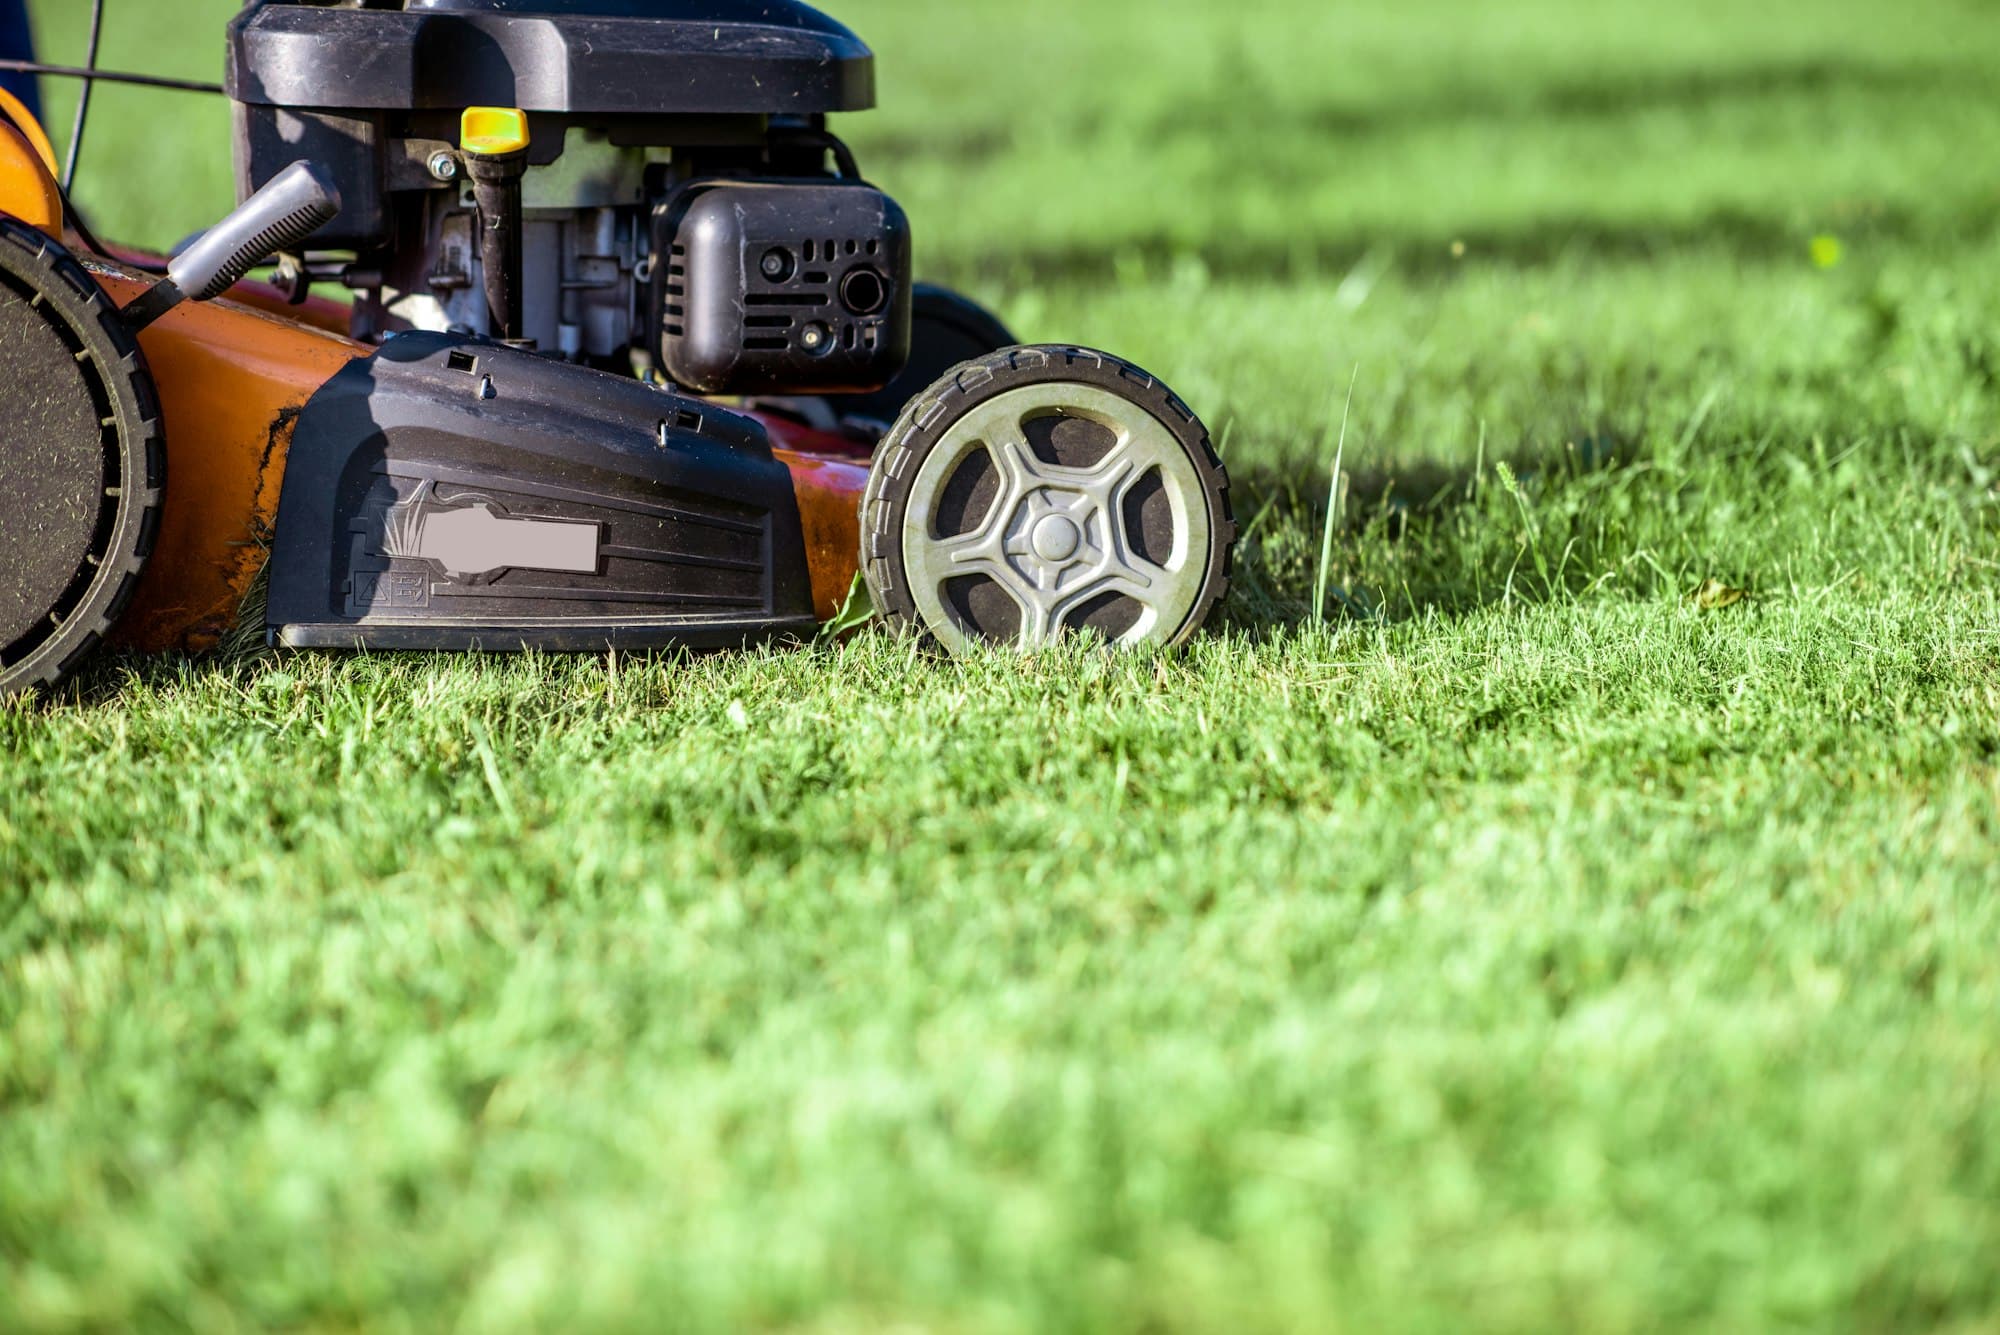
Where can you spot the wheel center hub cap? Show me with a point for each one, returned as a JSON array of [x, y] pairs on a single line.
[[1056, 538]]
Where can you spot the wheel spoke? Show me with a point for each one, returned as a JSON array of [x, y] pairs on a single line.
[[1041, 622], [1128, 581], [1105, 481], [974, 553], [1019, 469], [1036, 602]]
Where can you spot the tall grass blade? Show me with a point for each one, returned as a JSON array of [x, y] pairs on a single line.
[[1321, 582]]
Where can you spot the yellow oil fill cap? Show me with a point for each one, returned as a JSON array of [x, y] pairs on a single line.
[[491, 132]]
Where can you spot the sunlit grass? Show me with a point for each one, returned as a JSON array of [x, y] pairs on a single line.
[[1560, 894]]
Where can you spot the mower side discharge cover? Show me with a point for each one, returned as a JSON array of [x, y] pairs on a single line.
[[450, 494]]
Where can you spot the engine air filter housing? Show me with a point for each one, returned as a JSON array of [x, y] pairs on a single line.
[[782, 287]]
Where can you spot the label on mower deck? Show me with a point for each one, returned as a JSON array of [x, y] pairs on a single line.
[[478, 541], [470, 544]]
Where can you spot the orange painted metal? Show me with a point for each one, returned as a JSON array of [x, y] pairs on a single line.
[[322, 313], [27, 191], [16, 111], [828, 474], [231, 382]]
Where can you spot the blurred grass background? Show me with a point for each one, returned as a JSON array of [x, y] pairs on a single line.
[[1252, 200], [1529, 944]]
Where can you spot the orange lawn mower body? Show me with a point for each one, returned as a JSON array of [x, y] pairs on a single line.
[[690, 402]]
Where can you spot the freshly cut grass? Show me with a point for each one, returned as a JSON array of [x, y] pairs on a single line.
[[1532, 942]]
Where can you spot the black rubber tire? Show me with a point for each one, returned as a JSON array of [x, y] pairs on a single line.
[[84, 461], [947, 328], [925, 422]]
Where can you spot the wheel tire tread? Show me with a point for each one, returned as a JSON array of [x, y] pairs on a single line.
[[902, 449]]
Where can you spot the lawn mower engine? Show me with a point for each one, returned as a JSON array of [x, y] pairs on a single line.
[[642, 184]]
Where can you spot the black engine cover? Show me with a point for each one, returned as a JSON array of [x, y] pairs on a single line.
[[595, 57], [446, 494], [369, 89], [581, 56]]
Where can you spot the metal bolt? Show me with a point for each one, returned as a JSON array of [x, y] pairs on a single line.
[[777, 264], [444, 166]]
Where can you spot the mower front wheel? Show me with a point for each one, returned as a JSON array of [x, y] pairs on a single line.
[[1045, 490]]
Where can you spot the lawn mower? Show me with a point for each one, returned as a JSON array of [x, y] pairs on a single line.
[[579, 330]]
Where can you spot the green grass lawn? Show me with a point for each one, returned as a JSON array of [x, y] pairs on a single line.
[[1525, 945]]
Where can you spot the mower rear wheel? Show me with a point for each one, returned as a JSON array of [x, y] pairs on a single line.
[[1044, 490], [82, 461]]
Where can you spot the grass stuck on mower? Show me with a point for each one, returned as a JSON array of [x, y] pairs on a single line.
[[630, 355]]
